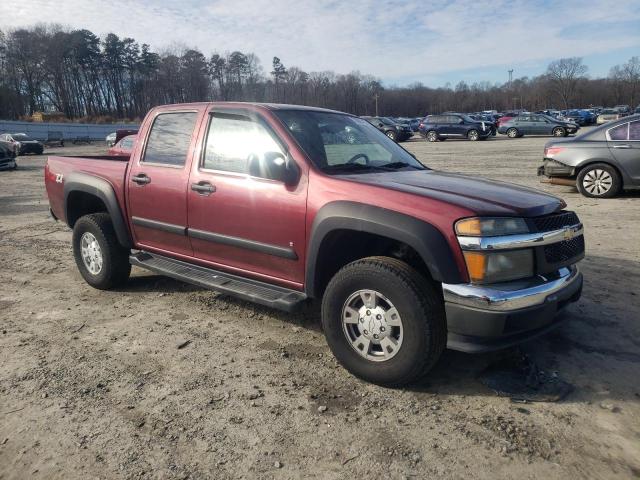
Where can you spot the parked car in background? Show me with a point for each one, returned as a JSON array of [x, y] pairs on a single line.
[[111, 139], [580, 117], [21, 143], [395, 131], [600, 163], [455, 125], [506, 116], [623, 110], [532, 124], [7, 158], [54, 139], [551, 112], [124, 147], [483, 117], [607, 115], [412, 123], [115, 137]]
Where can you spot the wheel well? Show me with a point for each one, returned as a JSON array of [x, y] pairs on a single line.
[[593, 162], [80, 204], [341, 247]]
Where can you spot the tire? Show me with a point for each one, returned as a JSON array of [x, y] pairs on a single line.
[[599, 180], [559, 132], [473, 135], [422, 335], [513, 133], [432, 136], [113, 258], [392, 135]]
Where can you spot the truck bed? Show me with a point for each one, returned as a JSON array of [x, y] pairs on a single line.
[[60, 169]]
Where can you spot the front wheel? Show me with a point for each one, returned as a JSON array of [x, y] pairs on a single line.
[[599, 180], [102, 261], [512, 133], [392, 135], [383, 321], [473, 135]]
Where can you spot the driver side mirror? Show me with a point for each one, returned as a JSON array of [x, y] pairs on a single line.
[[380, 125], [277, 166]]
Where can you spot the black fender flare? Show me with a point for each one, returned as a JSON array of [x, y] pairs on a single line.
[[423, 237], [102, 189]]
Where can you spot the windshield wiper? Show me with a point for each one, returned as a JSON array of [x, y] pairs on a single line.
[[397, 165], [351, 166]]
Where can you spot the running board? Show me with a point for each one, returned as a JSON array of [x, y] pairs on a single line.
[[244, 288]]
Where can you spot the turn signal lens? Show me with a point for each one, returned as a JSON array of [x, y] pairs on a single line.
[[469, 226]]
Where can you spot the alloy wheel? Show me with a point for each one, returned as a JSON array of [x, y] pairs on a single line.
[[372, 325], [91, 253]]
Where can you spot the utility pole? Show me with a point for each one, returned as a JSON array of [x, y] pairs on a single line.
[[376, 98]]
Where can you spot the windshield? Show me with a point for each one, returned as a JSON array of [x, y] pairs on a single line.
[[20, 137], [387, 121], [467, 118], [339, 143]]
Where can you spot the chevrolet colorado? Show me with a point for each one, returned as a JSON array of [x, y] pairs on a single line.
[[279, 204]]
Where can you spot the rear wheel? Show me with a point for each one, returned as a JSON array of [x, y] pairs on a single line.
[[102, 261], [473, 135], [559, 132], [599, 181], [383, 321], [432, 136], [392, 135], [512, 133]]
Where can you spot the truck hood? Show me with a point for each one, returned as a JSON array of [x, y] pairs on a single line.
[[482, 196]]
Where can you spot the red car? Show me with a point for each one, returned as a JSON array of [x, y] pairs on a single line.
[[124, 147], [283, 204]]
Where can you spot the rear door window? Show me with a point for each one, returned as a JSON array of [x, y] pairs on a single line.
[[634, 131], [169, 139], [619, 133]]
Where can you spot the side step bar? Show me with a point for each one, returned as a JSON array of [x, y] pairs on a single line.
[[244, 288]]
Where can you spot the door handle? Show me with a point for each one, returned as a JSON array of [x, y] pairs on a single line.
[[622, 146], [141, 179], [203, 188]]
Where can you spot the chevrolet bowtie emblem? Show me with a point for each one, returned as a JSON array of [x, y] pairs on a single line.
[[568, 233]]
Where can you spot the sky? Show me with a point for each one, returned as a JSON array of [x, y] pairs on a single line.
[[400, 42]]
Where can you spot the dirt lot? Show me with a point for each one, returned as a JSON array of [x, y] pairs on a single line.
[[94, 385]]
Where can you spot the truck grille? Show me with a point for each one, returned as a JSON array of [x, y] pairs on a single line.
[[555, 221], [563, 251]]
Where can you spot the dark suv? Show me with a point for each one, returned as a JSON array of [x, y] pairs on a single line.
[[397, 132], [455, 125]]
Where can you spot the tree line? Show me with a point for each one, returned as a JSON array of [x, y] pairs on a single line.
[[75, 72]]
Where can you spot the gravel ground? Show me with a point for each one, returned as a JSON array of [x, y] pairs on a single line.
[[165, 380]]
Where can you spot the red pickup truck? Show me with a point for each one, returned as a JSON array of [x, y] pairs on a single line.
[[280, 204]]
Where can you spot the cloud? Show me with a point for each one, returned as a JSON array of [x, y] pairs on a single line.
[[391, 40]]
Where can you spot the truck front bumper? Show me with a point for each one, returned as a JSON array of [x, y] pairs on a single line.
[[489, 317]]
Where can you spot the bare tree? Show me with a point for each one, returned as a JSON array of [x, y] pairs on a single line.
[[564, 75]]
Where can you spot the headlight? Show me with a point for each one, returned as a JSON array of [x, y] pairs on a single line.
[[491, 227], [494, 267]]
